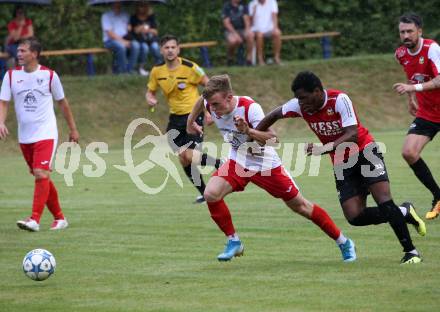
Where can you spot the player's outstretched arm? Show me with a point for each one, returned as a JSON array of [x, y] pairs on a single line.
[[67, 113], [270, 119], [3, 113], [191, 126], [350, 135]]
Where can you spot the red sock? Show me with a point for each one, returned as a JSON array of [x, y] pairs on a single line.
[[41, 193], [53, 203], [221, 215], [323, 220]]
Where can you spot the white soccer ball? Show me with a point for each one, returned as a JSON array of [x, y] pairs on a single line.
[[39, 264]]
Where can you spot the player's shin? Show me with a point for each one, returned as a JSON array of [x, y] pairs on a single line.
[[53, 203], [398, 224], [321, 218], [221, 216], [41, 193]]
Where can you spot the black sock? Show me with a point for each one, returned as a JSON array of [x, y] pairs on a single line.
[[368, 216], [197, 179], [210, 161], [397, 222], [423, 173]]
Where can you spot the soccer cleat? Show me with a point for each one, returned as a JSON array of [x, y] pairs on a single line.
[[435, 211], [28, 224], [410, 258], [59, 224], [234, 248], [412, 218], [199, 200], [348, 251]]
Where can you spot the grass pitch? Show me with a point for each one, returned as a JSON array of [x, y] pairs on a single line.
[[128, 251]]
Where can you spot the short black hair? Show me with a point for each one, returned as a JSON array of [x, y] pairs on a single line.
[[18, 7], [165, 38], [34, 44], [307, 81], [411, 18]]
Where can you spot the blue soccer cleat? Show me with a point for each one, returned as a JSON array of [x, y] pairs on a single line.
[[348, 251], [234, 248]]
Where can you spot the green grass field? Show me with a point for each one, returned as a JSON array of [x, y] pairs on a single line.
[[128, 251]]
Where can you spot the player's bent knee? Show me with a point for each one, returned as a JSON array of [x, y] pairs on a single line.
[[409, 155], [40, 174], [211, 195]]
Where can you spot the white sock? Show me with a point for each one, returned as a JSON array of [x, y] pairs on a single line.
[[404, 210], [341, 239], [234, 237]]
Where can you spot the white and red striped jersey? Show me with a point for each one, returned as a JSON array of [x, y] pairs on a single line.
[[329, 122], [33, 95], [249, 155], [422, 66]]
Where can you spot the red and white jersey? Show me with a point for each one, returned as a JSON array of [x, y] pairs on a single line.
[[329, 122], [33, 95], [422, 66], [249, 155]]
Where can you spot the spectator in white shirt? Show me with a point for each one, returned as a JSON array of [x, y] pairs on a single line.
[[264, 15], [115, 36]]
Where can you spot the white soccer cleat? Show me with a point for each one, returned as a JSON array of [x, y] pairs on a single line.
[[59, 224], [28, 224]]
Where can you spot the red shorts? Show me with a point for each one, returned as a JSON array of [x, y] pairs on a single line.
[[39, 155], [277, 182]]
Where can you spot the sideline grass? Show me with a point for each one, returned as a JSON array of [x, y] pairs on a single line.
[[127, 251]]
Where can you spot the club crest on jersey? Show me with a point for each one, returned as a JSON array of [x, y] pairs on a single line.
[[400, 53], [40, 81], [421, 60], [330, 111]]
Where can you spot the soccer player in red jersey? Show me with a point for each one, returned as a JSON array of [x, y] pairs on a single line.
[[420, 59], [236, 117], [33, 88], [357, 162]]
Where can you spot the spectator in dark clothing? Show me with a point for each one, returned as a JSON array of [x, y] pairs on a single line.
[[237, 25], [143, 28]]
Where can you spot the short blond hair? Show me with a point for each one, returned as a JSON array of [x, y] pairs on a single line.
[[219, 83]]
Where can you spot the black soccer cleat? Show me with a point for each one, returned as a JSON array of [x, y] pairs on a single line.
[[412, 218], [410, 258]]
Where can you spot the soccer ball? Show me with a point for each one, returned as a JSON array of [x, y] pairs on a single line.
[[39, 264]]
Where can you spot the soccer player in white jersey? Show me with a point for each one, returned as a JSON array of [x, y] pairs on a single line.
[[250, 160], [33, 88]]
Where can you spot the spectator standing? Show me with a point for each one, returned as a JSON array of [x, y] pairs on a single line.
[[115, 36], [19, 28], [143, 29], [237, 24], [264, 17]]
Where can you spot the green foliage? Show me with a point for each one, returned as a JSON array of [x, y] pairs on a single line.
[[367, 26]]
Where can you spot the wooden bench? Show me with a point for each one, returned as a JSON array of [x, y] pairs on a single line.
[[90, 52], [324, 36]]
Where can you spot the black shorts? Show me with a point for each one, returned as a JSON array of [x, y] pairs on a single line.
[[424, 127], [355, 181], [178, 122]]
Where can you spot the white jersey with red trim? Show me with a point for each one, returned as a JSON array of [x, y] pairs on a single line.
[[249, 155], [329, 121], [33, 95], [423, 66]]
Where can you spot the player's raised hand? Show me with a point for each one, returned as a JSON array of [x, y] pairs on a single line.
[[403, 88], [241, 124], [3, 131]]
